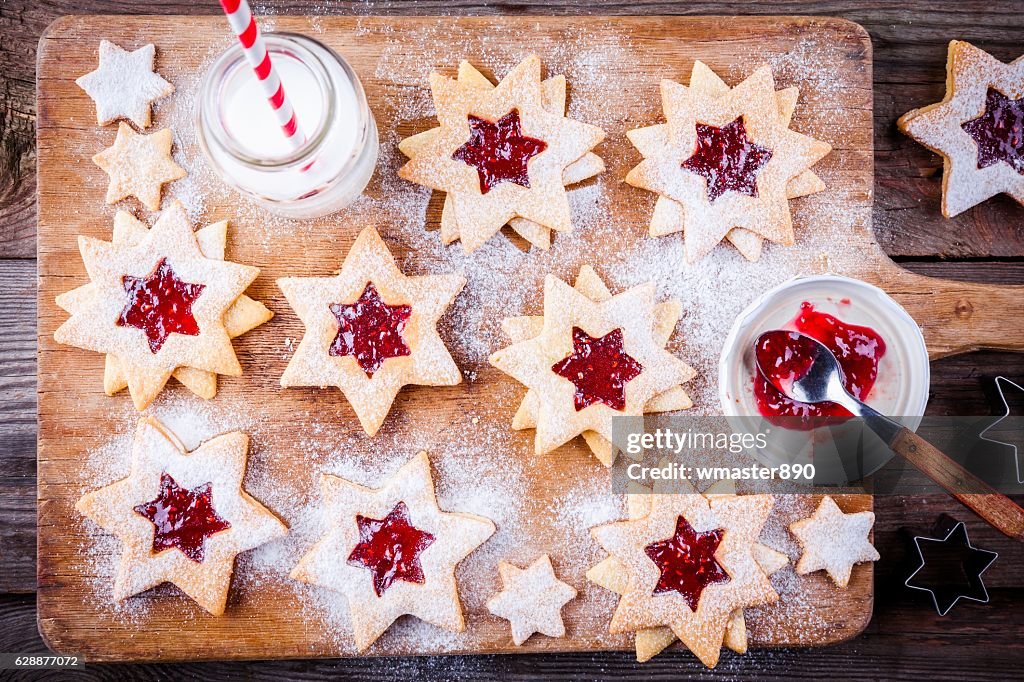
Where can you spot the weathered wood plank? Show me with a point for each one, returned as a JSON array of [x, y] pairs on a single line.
[[909, 43], [17, 426], [906, 641]]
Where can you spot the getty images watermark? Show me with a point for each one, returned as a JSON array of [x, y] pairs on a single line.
[[670, 441]]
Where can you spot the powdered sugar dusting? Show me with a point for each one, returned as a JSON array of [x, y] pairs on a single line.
[[540, 505]]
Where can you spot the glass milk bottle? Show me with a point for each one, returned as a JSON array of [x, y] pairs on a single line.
[[246, 147]]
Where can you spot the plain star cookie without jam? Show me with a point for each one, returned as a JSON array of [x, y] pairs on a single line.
[[613, 576], [125, 85], [727, 162], [244, 314], [501, 153], [833, 541], [531, 599], [139, 165], [370, 330], [157, 302], [591, 357], [392, 551], [978, 128], [182, 517], [691, 565], [553, 94]]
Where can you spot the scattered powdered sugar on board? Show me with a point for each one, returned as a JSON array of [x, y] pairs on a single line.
[[479, 465]]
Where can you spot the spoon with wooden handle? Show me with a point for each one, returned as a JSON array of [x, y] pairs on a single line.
[[819, 378]]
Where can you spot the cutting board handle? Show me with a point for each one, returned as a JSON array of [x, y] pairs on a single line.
[[996, 509], [959, 317]]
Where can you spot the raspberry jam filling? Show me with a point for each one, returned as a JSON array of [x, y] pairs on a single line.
[[160, 304], [370, 330], [390, 548], [599, 369], [182, 518], [999, 131], [727, 159], [687, 562], [858, 349], [499, 151]]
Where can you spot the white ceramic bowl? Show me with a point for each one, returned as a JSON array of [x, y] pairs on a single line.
[[903, 372]]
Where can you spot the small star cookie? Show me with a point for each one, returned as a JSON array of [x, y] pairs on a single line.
[[727, 160], [392, 551], [590, 360], [553, 94], [243, 316], [370, 330], [531, 599], [157, 302], [834, 541], [125, 85], [978, 128], [139, 165], [182, 516], [691, 566], [613, 576], [500, 153]]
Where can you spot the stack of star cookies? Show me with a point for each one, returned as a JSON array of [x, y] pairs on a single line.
[[161, 302], [629, 330], [686, 565], [502, 154], [726, 163], [613, 575]]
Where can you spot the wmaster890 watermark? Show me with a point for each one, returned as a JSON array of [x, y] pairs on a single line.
[[673, 471]]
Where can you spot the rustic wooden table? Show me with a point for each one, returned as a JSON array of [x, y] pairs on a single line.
[[905, 638]]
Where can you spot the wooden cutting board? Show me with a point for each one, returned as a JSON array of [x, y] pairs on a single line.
[[613, 62]]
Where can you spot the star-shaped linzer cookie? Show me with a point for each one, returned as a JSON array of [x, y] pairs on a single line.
[[159, 302], [612, 575], [531, 599], [503, 154], [833, 541], [370, 330], [627, 333], [139, 165], [244, 314], [182, 517], [391, 551], [691, 565], [553, 94], [978, 128], [125, 85], [726, 163]]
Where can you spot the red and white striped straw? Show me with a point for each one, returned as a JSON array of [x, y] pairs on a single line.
[[244, 25]]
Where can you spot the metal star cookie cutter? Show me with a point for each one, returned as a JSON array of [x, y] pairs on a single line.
[[971, 561], [1000, 380]]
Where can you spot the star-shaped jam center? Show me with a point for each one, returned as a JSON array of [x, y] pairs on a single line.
[[687, 562], [727, 159], [599, 368], [160, 304], [999, 131], [370, 330], [182, 518], [499, 151], [390, 548]]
